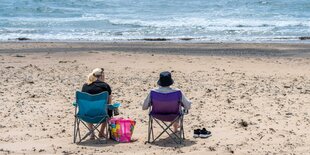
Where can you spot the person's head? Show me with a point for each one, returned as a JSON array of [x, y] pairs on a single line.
[[96, 74], [165, 79]]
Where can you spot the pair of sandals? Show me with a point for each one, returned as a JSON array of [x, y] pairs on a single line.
[[202, 133]]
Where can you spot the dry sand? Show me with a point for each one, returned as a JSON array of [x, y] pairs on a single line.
[[265, 86]]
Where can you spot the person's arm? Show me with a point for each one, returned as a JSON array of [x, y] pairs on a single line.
[[147, 102], [186, 102], [84, 88], [110, 99], [110, 94]]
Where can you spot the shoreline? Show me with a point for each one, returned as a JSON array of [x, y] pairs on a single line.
[[295, 40], [181, 39], [156, 47]]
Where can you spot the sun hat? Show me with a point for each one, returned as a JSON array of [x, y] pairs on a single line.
[[165, 79]]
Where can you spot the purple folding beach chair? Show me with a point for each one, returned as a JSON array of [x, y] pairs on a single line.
[[166, 107]]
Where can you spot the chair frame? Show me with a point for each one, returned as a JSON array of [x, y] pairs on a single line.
[[77, 122], [178, 138]]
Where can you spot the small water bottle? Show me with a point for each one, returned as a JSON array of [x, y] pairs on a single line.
[[116, 112]]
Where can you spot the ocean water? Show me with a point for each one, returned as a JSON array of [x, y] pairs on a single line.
[[200, 20]]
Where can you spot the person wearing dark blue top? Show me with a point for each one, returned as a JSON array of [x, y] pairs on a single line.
[[95, 84]]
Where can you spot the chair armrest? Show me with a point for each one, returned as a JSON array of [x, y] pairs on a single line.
[[74, 104], [114, 106]]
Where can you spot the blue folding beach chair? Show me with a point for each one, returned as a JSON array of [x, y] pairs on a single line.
[[90, 109]]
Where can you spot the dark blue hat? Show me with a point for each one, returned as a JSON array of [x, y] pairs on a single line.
[[165, 79]]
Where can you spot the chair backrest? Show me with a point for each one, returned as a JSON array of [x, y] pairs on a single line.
[[92, 105], [166, 103]]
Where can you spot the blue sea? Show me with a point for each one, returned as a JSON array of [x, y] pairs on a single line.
[[125, 20]]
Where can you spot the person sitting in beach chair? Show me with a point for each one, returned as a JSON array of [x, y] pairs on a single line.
[[166, 105], [94, 85]]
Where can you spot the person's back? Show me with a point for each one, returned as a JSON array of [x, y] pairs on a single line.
[[96, 87]]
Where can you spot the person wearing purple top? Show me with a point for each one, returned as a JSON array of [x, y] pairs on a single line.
[[164, 83]]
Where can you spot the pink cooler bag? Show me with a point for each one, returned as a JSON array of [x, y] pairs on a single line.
[[121, 129]]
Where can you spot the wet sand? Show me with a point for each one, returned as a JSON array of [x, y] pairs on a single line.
[[210, 49]]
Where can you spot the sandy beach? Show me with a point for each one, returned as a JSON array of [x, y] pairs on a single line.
[[254, 98]]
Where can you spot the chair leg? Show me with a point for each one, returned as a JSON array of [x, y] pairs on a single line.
[[170, 129], [165, 131], [85, 137], [149, 131], [152, 129], [78, 129], [178, 137], [183, 136], [74, 130], [91, 131], [106, 122], [108, 131]]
